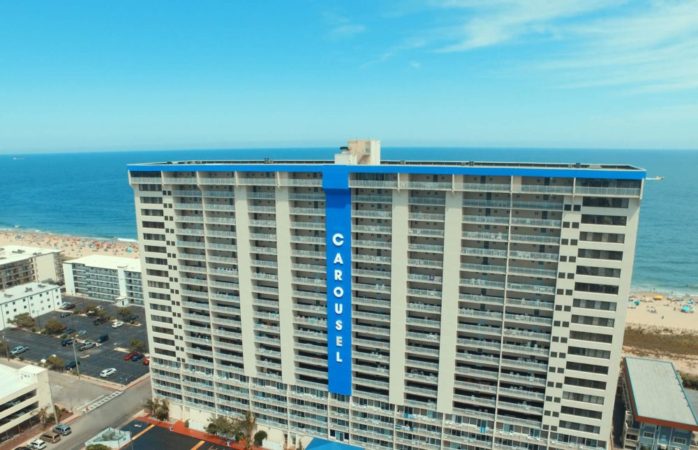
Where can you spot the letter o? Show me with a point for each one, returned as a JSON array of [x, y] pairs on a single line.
[[338, 292]]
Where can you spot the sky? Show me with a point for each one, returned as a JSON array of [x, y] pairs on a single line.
[[78, 75]]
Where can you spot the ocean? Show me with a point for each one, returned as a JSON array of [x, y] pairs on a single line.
[[87, 194]]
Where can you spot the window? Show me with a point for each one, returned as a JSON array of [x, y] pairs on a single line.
[[591, 368], [597, 288], [596, 321], [594, 304], [604, 220], [604, 202], [591, 337]]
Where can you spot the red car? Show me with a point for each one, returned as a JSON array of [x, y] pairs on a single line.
[[129, 356], [146, 361]]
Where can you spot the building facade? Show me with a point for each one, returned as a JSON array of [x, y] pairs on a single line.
[[23, 393], [108, 278], [390, 305], [21, 265], [34, 299], [659, 415]]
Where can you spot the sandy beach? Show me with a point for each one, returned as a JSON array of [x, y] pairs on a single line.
[[654, 309], [72, 246]]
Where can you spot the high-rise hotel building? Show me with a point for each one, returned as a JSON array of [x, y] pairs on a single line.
[[390, 304]]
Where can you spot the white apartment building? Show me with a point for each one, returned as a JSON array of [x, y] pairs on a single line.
[[103, 277], [34, 299], [23, 393], [21, 264], [390, 304]]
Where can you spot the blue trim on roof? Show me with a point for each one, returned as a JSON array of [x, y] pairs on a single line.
[[334, 170], [324, 444]]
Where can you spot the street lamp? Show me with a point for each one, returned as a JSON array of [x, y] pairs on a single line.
[[75, 355]]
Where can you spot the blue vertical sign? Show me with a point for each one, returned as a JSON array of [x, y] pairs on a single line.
[[338, 249]]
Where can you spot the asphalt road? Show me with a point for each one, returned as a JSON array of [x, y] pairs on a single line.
[[93, 361], [112, 414]]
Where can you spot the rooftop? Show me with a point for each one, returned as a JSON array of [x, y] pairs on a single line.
[[24, 290], [657, 394], [109, 262], [14, 253], [14, 379], [363, 156]]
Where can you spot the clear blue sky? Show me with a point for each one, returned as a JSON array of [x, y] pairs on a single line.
[[149, 74]]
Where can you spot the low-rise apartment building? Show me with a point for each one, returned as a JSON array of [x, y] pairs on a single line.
[[23, 393], [34, 299], [101, 277], [21, 264], [658, 413]]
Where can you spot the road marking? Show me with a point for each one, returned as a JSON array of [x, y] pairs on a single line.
[[198, 445], [150, 427]]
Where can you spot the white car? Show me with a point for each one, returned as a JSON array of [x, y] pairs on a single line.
[[37, 444], [107, 372], [117, 324]]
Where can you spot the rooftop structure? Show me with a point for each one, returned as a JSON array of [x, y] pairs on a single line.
[[659, 414], [102, 277], [22, 264], [390, 305]]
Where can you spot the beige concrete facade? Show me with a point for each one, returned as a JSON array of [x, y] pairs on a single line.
[[488, 311], [21, 264]]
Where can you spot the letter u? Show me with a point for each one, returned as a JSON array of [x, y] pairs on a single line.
[[338, 308]]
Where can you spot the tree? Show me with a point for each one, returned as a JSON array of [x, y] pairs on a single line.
[[246, 426], [54, 326], [125, 313], [137, 345], [259, 438], [42, 415], [98, 447], [220, 426], [4, 349], [54, 362], [300, 446], [160, 409], [24, 320]]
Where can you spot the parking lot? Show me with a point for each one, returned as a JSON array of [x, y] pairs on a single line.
[[108, 354], [149, 437]]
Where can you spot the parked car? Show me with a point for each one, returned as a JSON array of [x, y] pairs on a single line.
[[63, 429], [67, 341], [87, 345], [63, 315], [146, 361], [129, 356], [137, 357], [37, 444], [18, 350], [51, 436], [117, 324], [82, 332], [23, 448], [67, 305], [107, 372], [70, 365], [103, 338]]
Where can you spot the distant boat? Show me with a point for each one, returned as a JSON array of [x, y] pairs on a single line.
[[660, 178]]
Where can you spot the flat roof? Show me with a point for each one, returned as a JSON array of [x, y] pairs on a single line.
[[14, 379], [657, 394], [14, 253], [109, 262], [555, 170], [25, 290]]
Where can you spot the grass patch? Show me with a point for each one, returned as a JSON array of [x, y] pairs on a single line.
[[689, 381], [661, 340]]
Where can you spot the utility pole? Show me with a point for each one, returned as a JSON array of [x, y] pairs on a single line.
[[75, 355]]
